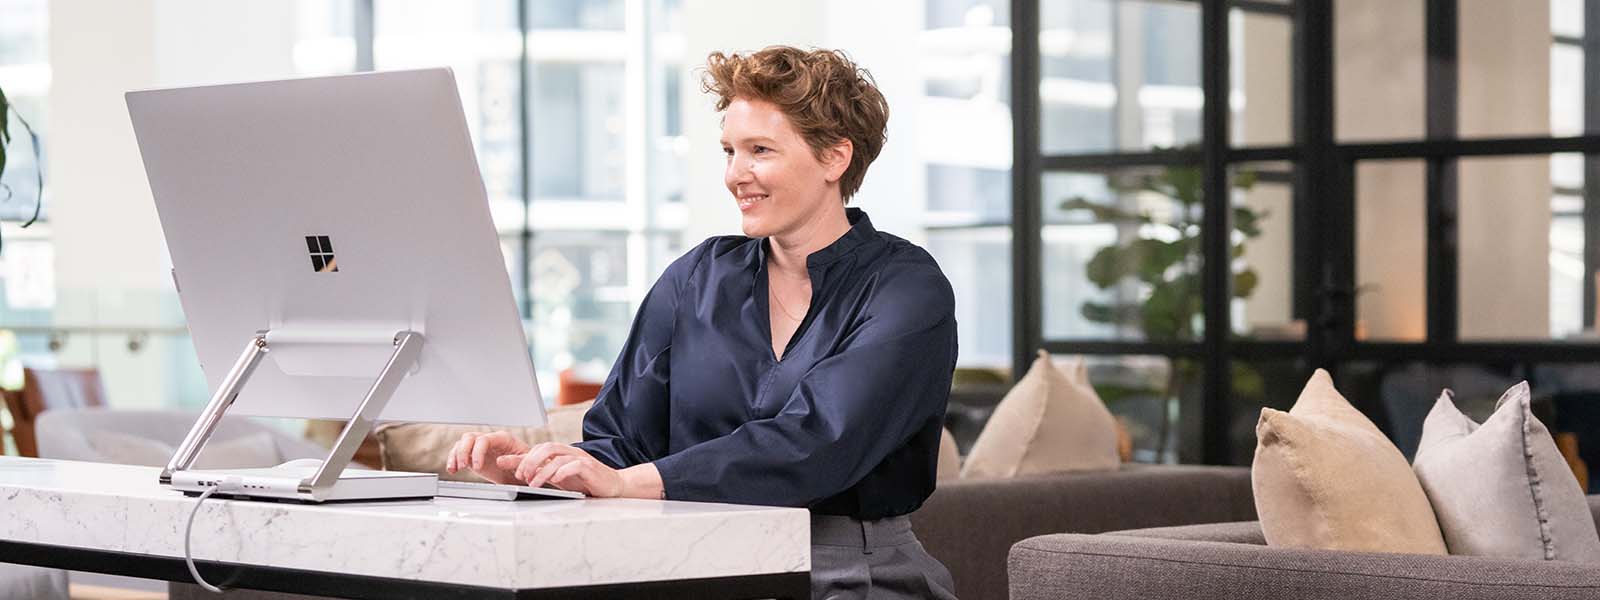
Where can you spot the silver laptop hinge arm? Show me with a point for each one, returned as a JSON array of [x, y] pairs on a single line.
[[407, 346], [227, 392]]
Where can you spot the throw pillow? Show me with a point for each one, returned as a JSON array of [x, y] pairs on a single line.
[[949, 466], [1325, 477], [1051, 421], [1502, 488], [565, 422]]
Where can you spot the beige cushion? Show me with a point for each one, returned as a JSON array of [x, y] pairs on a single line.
[[565, 424], [949, 457], [1051, 421], [1325, 477], [1503, 489], [421, 447]]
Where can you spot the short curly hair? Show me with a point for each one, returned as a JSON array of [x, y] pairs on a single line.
[[823, 93]]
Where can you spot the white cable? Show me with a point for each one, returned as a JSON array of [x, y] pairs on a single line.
[[188, 531]]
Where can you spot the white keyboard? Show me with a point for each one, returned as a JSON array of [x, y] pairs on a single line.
[[496, 491]]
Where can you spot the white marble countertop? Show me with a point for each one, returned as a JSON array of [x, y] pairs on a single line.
[[514, 545]]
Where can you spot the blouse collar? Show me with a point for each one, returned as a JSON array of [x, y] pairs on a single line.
[[861, 231]]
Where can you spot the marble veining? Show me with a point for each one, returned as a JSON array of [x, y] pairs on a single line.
[[450, 540]]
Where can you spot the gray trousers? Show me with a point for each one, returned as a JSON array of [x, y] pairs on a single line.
[[873, 560]]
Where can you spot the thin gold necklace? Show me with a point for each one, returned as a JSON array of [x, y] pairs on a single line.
[[773, 293]]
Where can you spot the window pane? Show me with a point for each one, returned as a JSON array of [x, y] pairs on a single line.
[[1259, 384], [1566, 17], [1566, 90], [1510, 80], [941, 14], [575, 14], [1505, 83], [28, 294], [1263, 245], [965, 162], [1156, 399], [577, 131], [23, 33], [581, 307], [1522, 273], [25, 73], [1391, 244], [1119, 75], [1565, 398], [326, 43], [1573, 393], [1262, 98], [1379, 55], [975, 261], [968, 194], [1122, 255], [477, 42], [669, 147]]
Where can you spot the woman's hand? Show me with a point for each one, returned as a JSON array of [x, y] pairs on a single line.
[[480, 452], [573, 469]]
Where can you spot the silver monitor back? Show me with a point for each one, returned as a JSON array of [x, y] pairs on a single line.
[[330, 210]]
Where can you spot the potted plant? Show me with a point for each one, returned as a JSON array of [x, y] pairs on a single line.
[[1162, 273]]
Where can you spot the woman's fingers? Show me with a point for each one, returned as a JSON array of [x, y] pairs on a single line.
[[461, 454], [480, 451], [535, 459], [541, 454], [508, 462], [542, 473], [574, 476]]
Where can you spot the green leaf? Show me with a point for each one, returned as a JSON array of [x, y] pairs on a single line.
[[1244, 283], [1247, 221], [1186, 183], [1247, 382], [1119, 314], [1244, 180], [1169, 309], [1103, 213], [1096, 312], [5, 129], [1156, 257], [1110, 264]]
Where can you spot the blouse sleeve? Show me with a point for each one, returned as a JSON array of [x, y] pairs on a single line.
[[628, 423], [888, 380]]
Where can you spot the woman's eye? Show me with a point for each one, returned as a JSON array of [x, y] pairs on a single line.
[[727, 151], [761, 150]]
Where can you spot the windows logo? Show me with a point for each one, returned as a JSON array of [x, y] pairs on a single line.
[[321, 254]]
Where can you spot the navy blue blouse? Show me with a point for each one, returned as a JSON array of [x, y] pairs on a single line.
[[847, 423]]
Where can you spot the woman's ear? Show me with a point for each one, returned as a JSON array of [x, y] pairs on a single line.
[[836, 160]]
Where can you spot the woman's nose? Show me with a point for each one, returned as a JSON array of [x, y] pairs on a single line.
[[739, 169]]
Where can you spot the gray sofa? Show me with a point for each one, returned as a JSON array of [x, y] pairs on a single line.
[[1231, 561], [65, 434], [970, 525]]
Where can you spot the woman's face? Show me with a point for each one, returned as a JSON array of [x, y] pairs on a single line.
[[774, 177]]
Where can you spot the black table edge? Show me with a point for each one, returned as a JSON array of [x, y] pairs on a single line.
[[788, 586]]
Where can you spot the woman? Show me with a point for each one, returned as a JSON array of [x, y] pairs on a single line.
[[805, 363]]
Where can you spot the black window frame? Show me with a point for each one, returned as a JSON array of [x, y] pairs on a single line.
[[1323, 222]]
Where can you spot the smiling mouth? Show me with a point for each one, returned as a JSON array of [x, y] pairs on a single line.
[[747, 202]]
